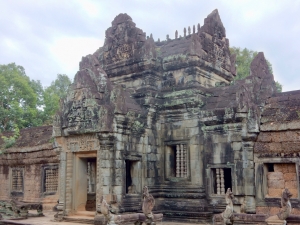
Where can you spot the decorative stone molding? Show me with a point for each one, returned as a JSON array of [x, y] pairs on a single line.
[[83, 143]]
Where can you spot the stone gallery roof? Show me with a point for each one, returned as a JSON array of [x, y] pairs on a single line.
[[282, 112], [34, 146], [244, 94], [280, 126], [30, 137]]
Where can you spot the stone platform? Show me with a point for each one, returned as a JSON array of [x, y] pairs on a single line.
[[48, 220]]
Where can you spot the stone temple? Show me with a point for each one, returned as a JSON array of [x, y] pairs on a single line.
[[168, 115]]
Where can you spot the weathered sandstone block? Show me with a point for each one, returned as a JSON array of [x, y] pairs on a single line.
[[275, 176]]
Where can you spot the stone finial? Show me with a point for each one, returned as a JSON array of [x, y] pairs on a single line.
[[189, 30], [151, 36], [168, 37], [176, 34], [194, 29], [198, 28], [213, 25], [184, 32], [158, 40], [121, 18]]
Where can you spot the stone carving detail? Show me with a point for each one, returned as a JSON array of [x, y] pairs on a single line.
[[137, 128], [124, 51], [83, 143], [286, 209], [148, 203], [214, 42], [219, 181], [229, 207], [19, 210], [168, 81], [124, 41], [136, 218], [226, 216], [93, 100]]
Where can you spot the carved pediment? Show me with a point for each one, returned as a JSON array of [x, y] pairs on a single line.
[[92, 101]]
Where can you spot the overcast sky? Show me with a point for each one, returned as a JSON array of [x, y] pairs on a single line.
[[50, 37]]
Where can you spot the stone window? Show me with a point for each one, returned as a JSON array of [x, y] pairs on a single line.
[[17, 180], [177, 160], [50, 179], [221, 180], [280, 176]]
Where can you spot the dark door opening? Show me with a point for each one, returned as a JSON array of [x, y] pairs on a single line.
[[128, 175], [227, 179], [91, 184]]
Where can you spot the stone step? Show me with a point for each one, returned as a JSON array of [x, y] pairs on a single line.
[[85, 213], [132, 203], [79, 219]]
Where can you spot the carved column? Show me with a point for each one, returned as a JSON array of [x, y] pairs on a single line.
[[185, 160], [182, 164], [218, 181], [177, 161], [222, 181]]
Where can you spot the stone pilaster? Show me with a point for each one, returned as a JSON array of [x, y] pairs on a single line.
[[62, 186]]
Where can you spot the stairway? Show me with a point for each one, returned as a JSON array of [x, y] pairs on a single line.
[[132, 203]]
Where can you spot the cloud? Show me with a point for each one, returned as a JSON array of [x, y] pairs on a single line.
[[49, 37], [68, 51]]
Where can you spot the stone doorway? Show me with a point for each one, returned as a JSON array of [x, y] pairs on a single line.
[[133, 177], [91, 184], [85, 171]]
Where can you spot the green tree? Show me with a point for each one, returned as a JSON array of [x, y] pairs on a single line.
[[244, 58], [52, 95], [18, 98]]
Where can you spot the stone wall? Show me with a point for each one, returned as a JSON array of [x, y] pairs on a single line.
[[284, 176], [29, 169], [277, 151]]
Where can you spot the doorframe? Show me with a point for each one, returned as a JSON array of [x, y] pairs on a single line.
[[76, 157]]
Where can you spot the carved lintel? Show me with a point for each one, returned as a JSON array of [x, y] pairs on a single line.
[[82, 143]]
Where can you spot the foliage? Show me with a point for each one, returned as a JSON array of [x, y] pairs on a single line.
[[10, 141], [52, 95], [244, 58], [24, 102], [278, 86], [18, 98]]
